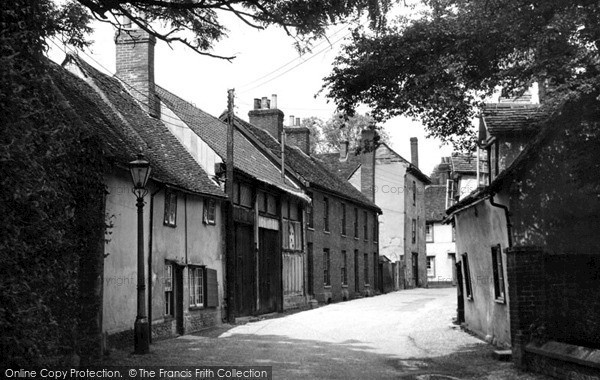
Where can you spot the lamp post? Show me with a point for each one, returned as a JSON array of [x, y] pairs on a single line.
[[140, 172]]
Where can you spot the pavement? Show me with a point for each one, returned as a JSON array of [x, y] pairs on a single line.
[[401, 335]]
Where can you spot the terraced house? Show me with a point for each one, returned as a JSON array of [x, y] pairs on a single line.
[[341, 229]]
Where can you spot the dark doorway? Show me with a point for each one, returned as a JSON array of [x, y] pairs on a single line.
[[178, 295], [415, 268], [269, 271], [460, 299], [245, 276], [356, 273], [310, 261]]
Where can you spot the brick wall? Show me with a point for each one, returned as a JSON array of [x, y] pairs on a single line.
[[299, 137]]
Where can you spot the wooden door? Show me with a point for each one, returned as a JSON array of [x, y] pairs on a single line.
[[245, 276], [415, 268], [269, 270], [179, 300]]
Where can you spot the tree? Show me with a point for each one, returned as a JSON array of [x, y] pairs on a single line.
[[340, 128], [198, 24], [440, 64]]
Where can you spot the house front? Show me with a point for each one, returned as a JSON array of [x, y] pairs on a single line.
[[340, 228], [182, 221], [439, 238], [397, 186]]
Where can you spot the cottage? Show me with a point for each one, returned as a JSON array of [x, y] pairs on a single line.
[[397, 186], [182, 215]]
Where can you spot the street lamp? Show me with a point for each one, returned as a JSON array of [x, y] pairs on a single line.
[[140, 172]]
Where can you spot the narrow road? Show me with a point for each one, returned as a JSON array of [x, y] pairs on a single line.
[[401, 335]]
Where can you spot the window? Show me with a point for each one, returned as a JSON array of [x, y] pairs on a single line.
[[245, 196], [168, 284], [170, 209], [430, 266], [356, 272], [429, 232], [375, 228], [326, 214], [467, 272], [375, 268], [498, 271], [453, 232], [366, 268], [413, 235], [309, 259], [326, 267], [365, 226], [343, 219], [355, 222], [209, 214], [344, 270], [197, 286], [309, 212], [414, 193]]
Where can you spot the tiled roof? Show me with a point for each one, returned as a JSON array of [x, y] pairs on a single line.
[[309, 168], [124, 128], [435, 203], [344, 168], [511, 117], [467, 163], [247, 158]]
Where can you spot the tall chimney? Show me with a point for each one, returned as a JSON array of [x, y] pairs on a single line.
[[344, 150], [291, 124], [414, 151], [367, 159], [269, 119], [135, 66]]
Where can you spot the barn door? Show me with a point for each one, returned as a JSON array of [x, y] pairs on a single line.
[[245, 277], [269, 271]]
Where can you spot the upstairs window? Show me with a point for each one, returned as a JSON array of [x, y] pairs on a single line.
[[365, 225], [170, 209], [355, 222], [309, 212], [413, 236], [414, 193], [429, 232], [326, 214], [375, 228], [209, 215], [343, 219]]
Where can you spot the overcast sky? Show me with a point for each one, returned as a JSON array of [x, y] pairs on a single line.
[[266, 63]]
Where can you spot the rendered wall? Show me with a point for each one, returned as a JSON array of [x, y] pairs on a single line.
[[478, 228], [441, 248]]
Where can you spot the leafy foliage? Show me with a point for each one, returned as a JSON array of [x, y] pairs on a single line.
[[198, 24], [439, 65], [51, 196]]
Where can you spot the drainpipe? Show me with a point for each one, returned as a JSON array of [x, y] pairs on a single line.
[[507, 216], [151, 222]]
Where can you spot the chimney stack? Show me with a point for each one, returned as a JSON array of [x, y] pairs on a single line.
[[267, 118], [291, 121], [298, 136], [414, 151], [367, 159], [344, 150], [135, 66]]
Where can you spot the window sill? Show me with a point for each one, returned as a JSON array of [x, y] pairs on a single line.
[[356, 238], [343, 235], [470, 298], [327, 232], [326, 286], [367, 285], [500, 301], [344, 286], [170, 225], [310, 228], [197, 308], [168, 318]]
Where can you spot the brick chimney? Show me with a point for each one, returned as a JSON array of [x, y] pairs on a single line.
[[267, 118], [298, 136], [367, 158], [414, 151], [135, 66]]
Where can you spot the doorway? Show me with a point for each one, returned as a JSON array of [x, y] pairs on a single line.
[[415, 268]]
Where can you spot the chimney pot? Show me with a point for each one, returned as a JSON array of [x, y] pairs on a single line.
[[256, 103], [414, 151], [264, 103], [292, 120], [297, 122], [274, 101]]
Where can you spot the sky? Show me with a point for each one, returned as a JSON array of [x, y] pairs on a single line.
[[266, 63]]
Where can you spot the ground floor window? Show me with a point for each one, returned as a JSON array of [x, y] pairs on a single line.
[[168, 285], [344, 271], [366, 268], [467, 273], [430, 266], [196, 286], [498, 272], [326, 267]]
